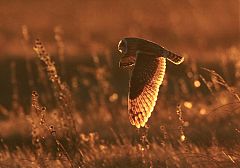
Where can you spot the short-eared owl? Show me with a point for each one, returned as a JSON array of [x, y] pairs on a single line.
[[149, 60]]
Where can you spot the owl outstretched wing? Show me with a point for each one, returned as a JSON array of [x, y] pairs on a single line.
[[147, 76]]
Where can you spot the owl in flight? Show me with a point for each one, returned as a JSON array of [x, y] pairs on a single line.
[[149, 61]]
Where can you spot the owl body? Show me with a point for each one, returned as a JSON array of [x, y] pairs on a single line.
[[130, 46], [149, 60]]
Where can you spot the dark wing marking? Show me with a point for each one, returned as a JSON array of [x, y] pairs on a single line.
[[147, 76], [127, 61]]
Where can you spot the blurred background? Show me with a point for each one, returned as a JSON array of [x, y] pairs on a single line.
[[200, 29], [198, 102], [82, 37]]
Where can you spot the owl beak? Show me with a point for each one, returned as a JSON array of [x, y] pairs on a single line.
[[127, 61]]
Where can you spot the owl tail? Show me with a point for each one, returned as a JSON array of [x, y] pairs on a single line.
[[174, 58]]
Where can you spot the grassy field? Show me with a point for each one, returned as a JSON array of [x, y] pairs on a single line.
[[74, 114], [63, 98]]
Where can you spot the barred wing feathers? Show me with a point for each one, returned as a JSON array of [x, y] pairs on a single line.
[[147, 76], [174, 58]]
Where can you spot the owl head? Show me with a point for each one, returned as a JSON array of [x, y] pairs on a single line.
[[129, 47]]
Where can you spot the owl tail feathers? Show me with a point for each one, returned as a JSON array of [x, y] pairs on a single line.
[[174, 58]]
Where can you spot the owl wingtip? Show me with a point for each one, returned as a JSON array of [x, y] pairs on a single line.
[[177, 60]]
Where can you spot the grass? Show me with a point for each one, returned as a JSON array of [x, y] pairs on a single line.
[[73, 113]]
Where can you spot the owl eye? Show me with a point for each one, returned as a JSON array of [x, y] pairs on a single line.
[[122, 46]]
